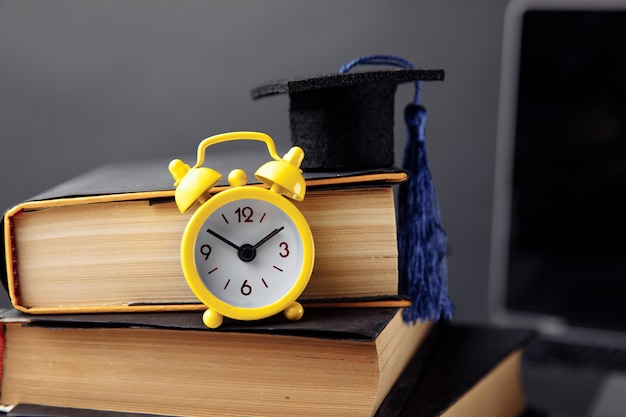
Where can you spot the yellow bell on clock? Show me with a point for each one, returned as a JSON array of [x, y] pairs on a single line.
[[247, 252]]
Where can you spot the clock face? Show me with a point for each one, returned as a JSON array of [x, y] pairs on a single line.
[[248, 253]]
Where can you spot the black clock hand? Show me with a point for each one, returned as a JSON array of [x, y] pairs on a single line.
[[268, 237], [223, 239], [247, 252]]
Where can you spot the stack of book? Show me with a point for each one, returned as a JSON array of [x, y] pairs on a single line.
[[104, 323]]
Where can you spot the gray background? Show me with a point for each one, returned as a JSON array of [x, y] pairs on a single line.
[[84, 83]]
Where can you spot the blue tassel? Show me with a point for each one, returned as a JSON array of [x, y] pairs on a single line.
[[422, 241]]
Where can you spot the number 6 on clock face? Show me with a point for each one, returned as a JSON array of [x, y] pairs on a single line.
[[252, 253]]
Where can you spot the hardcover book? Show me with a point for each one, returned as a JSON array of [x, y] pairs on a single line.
[[457, 370], [109, 241], [330, 363]]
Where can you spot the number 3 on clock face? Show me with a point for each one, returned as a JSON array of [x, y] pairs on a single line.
[[247, 253]]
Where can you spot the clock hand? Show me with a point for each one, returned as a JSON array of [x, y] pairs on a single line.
[[247, 252], [268, 237], [223, 239]]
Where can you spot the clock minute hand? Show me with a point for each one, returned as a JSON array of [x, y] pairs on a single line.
[[223, 239], [268, 237]]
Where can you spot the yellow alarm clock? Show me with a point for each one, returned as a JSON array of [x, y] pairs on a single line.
[[247, 252]]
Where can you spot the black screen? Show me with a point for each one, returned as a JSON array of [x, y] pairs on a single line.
[[568, 249]]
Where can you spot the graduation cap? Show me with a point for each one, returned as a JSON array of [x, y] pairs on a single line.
[[345, 121]]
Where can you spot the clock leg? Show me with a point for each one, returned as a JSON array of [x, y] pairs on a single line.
[[294, 312], [212, 319]]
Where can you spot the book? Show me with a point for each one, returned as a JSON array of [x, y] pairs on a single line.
[[463, 370], [109, 241], [332, 362], [458, 370]]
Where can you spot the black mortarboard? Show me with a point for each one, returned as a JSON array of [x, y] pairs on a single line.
[[345, 121]]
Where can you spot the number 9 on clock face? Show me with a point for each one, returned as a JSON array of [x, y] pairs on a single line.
[[251, 253]]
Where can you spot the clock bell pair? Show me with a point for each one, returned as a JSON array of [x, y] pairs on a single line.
[[247, 252]]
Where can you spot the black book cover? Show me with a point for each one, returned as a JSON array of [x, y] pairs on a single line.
[[364, 324]]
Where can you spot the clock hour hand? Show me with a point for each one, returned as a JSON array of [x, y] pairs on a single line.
[[268, 237], [223, 239]]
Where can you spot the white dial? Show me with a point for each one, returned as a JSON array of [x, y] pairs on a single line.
[[248, 253]]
